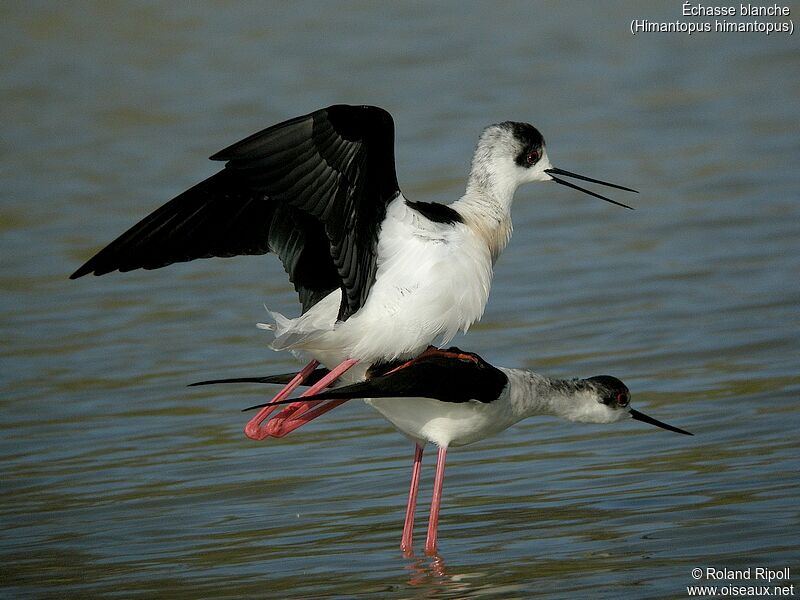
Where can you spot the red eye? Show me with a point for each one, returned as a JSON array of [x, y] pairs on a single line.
[[622, 399], [533, 157]]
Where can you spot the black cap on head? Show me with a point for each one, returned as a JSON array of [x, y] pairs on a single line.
[[531, 142], [612, 391]]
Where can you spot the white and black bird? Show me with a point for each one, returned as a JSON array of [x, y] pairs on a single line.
[[454, 398], [379, 277]]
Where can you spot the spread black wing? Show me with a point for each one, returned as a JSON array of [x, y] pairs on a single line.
[[313, 190]]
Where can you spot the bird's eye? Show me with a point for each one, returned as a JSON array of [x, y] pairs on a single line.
[[617, 400], [533, 157]]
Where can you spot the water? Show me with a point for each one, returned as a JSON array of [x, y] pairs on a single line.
[[117, 480]]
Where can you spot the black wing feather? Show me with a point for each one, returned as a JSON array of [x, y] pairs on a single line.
[[283, 379], [445, 376], [313, 189]]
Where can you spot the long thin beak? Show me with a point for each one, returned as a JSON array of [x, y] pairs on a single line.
[[554, 171], [645, 419]]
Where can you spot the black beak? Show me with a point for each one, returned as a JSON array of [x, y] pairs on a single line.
[[645, 419], [552, 172]]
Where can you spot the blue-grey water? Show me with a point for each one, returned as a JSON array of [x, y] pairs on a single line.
[[119, 481]]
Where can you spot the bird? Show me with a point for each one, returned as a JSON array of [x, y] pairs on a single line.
[[379, 276], [454, 398]]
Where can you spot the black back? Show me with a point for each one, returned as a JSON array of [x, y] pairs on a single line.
[[438, 213], [447, 375]]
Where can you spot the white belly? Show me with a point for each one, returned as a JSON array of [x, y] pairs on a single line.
[[445, 423], [432, 280]]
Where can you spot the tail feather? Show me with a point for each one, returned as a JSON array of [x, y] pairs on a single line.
[[291, 334]]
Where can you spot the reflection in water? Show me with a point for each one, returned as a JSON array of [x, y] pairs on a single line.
[[431, 575], [427, 570]]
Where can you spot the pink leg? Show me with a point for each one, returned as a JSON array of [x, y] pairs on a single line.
[[436, 502], [408, 528], [280, 425], [284, 427], [253, 429]]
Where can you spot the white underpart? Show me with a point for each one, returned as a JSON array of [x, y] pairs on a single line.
[[446, 423], [432, 281], [457, 424]]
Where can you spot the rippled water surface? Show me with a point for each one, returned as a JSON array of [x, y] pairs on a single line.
[[117, 480]]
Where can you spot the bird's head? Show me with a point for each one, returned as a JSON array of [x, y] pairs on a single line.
[[510, 154], [607, 400]]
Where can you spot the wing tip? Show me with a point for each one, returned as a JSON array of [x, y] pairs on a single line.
[[91, 268], [85, 269]]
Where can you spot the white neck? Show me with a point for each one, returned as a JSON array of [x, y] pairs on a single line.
[[486, 205], [571, 399]]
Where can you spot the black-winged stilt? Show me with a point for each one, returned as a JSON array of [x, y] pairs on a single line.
[[453, 398], [379, 277]]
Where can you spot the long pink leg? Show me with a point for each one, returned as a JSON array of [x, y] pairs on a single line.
[[279, 426], [408, 527], [253, 429], [436, 502]]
